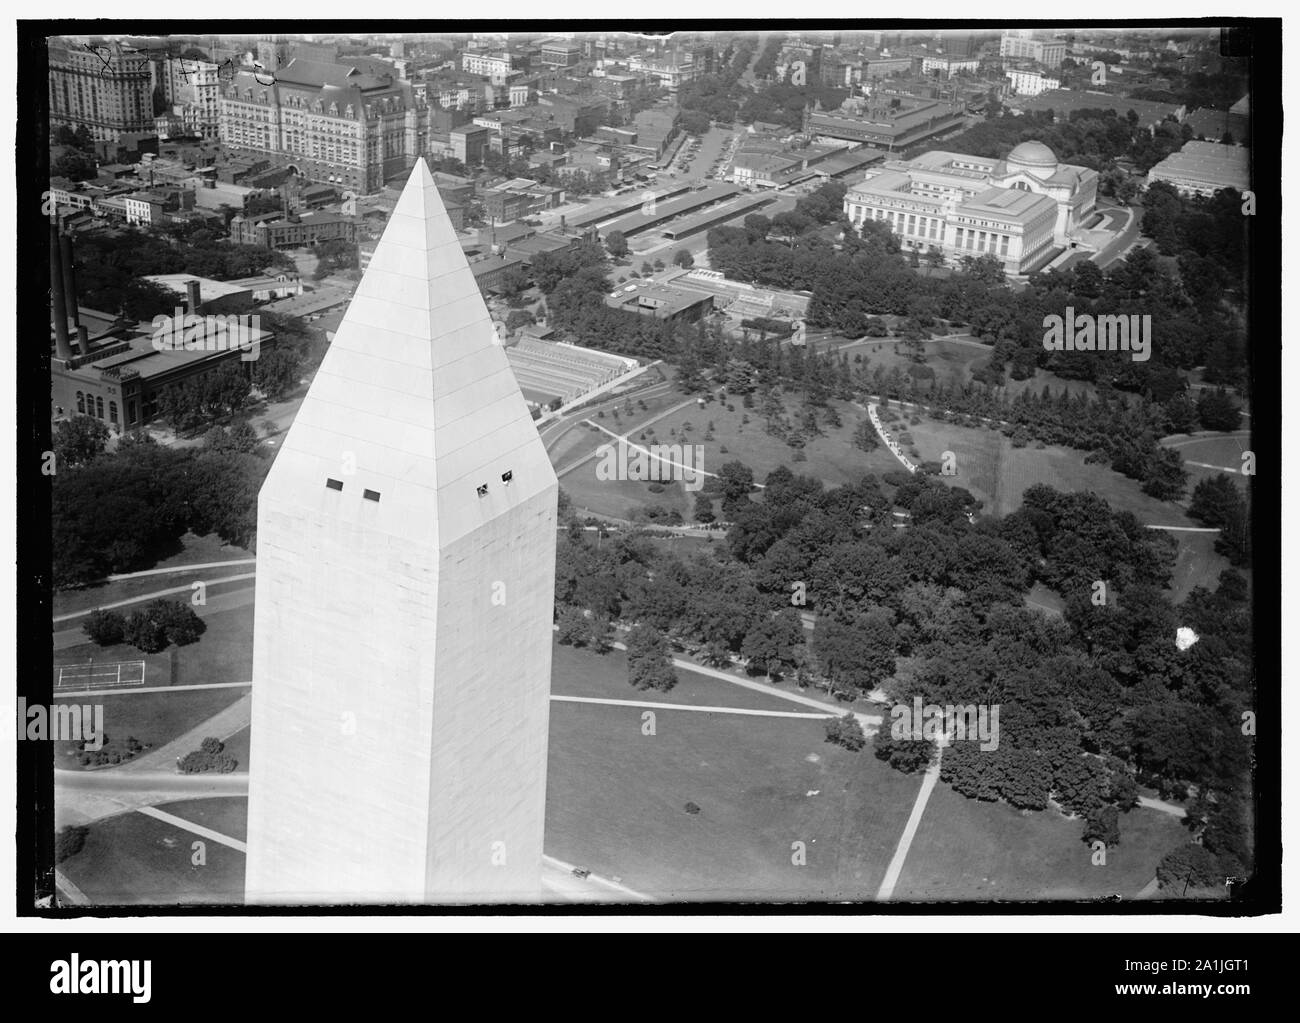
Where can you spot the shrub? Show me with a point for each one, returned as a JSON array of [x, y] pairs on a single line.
[[847, 732], [105, 628], [691, 808], [69, 842]]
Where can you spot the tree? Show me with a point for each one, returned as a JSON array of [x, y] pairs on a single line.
[[771, 644], [572, 626], [865, 436], [1218, 411], [616, 243], [78, 440], [161, 622], [846, 731], [648, 662], [1189, 865], [1216, 501], [275, 372], [684, 259], [695, 122], [105, 628]]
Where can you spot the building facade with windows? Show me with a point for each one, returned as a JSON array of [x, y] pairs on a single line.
[[1019, 209], [330, 122], [106, 88], [1031, 83], [1048, 52]]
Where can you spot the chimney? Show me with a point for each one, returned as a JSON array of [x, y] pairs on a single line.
[[58, 302], [69, 278], [192, 297], [563, 223], [83, 339]]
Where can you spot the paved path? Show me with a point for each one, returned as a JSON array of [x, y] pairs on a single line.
[[1164, 807], [895, 868], [192, 828], [222, 725], [60, 694], [692, 707], [640, 426], [570, 886], [220, 602], [187, 588], [177, 568]]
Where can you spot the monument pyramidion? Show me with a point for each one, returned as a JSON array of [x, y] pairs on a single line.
[[405, 587]]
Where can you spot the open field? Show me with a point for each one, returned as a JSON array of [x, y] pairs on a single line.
[[224, 653], [966, 849], [196, 550], [153, 718], [132, 859], [582, 673], [831, 457], [999, 474], [1224, 452], [616, 798]]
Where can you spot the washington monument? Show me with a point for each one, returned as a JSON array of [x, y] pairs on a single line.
[[405, 584]]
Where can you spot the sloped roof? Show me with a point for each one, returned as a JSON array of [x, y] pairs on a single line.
[[416, 389]]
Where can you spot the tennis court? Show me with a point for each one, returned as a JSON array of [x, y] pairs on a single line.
[[98, 675]]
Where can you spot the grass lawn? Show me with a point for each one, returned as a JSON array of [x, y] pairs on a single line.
[[196, 550], [237, 747], [831, 457], [966, 849], [979, 455], [1220, 451], [577, 672], [224, 653], [615, 804], [136, 860], [152, 718], [226, 815], [999, 474]]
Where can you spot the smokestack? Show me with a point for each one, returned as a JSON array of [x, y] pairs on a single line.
[[192, 297], [69, 278], [58, 301], [83, 338]]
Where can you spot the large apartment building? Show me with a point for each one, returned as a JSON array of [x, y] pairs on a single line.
[[192, 89], [1048, 52], [105, 87], [331, 122]]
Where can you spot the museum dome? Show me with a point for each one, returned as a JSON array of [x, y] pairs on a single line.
[[1032, 154]]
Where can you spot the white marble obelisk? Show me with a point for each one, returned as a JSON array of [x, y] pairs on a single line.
[[405, 583]]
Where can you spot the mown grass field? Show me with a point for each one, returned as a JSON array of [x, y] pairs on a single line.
[[134, 860], [831, 456], [971, 850], [999, 474], [153, 718], [579, 672], [195, 550], [224, 653], [616, 798]]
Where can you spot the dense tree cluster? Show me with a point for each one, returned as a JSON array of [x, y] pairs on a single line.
[[111, 266], [1091, 704], [121, 512]]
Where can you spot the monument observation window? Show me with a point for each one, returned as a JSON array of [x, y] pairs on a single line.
[[334, 484], [370, 495]]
